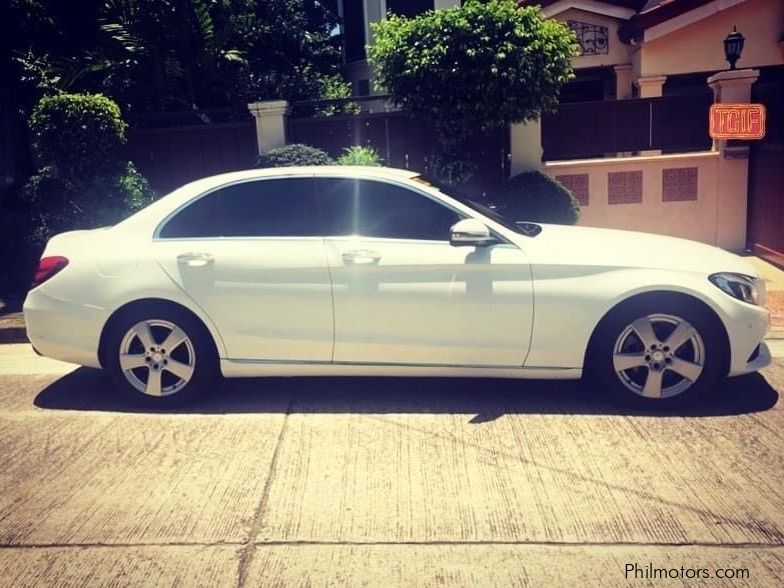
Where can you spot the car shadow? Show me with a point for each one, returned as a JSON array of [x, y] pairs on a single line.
[[486, 399]]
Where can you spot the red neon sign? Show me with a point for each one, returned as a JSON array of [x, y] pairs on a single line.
[[737, 121]]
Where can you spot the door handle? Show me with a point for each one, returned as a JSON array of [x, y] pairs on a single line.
[[361, 257], [195, 259]]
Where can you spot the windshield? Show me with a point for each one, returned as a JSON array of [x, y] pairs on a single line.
[[523, 228]]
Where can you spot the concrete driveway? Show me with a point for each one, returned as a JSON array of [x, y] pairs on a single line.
[[385, 482]]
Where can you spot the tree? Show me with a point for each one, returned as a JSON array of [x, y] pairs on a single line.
[[474, 68], [185, 54]]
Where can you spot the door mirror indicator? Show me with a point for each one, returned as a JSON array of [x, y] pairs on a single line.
[[470, 232]]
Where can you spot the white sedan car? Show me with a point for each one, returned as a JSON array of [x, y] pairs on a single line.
[[374, 271]]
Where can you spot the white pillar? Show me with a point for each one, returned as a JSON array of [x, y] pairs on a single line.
[[270, 123], [650, 86], [732, 86], [525, 141], [623, 81]]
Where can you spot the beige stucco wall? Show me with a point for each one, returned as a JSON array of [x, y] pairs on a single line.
[[618, 52], [717, 216], [699, 46]]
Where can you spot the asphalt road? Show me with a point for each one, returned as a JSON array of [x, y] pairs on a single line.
[[384, 482]]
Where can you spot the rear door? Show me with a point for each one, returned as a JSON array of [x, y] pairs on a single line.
[[251, 255]]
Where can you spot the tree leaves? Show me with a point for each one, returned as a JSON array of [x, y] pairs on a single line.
[[473, 68]]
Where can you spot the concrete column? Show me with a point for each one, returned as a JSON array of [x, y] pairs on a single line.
[[270, 123], [650, 86], [374, 11], [623, 81], [732, 86], [526, 144]]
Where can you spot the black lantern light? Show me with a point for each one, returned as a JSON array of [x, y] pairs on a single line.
[[733, 46]]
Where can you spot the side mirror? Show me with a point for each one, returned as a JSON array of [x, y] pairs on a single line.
[[470, 232]]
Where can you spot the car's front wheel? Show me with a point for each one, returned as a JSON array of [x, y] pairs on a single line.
[[658, 354], [160, 356]]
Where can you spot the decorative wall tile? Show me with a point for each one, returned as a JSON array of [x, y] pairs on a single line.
[[624, 187], [577, 184], [679, 183]]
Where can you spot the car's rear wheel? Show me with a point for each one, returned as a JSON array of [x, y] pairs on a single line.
[[659, 354], [161, 356]]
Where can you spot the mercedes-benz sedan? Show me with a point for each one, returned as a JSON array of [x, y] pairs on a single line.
[[373, 271]]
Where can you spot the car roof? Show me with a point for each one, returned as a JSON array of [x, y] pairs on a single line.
[[363, 171]]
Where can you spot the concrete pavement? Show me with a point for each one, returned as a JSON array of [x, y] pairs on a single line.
[[329, 481]]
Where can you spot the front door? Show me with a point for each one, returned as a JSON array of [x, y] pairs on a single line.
[[251, 256], [404, 295]]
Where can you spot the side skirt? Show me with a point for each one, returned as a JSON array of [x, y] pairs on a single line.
[[246, 368]]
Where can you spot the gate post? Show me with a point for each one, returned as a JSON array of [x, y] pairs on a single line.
[[270, 119], [733, 166], [525, 141]]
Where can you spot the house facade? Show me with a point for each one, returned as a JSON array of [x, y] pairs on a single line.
[[628, 48]]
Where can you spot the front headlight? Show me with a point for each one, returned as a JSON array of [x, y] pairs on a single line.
[[740, 286]]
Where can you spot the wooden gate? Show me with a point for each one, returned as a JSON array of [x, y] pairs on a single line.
[[172, 156], [766, 177], [406, 143]]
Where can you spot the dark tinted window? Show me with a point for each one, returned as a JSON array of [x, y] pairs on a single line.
[[377, 209], [265, 208], [409, 7]]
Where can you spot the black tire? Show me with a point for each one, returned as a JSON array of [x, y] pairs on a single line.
[[195, 355], [618, 342]]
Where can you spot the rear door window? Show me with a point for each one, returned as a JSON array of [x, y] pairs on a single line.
[[283, 207]]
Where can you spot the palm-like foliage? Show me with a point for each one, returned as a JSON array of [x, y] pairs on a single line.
[[192, 54]]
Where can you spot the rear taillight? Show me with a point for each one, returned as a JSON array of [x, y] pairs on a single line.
[[47, 267]]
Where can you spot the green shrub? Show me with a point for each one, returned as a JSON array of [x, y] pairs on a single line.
[[78, 134], [82, 180], [534, 196], [292, 155], [57, 204], [359, 155]]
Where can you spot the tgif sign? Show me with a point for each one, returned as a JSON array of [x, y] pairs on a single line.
[[737, 121]]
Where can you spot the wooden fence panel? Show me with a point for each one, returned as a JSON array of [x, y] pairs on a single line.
[[597, 129], [680, 123], [172, 156]]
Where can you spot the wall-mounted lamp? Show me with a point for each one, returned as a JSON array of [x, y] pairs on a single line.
[[733, 46]]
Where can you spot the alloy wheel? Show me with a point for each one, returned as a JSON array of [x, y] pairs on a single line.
[[157, 357], [659, 356]]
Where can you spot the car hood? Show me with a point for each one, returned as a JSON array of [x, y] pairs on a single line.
[[574, 245]]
